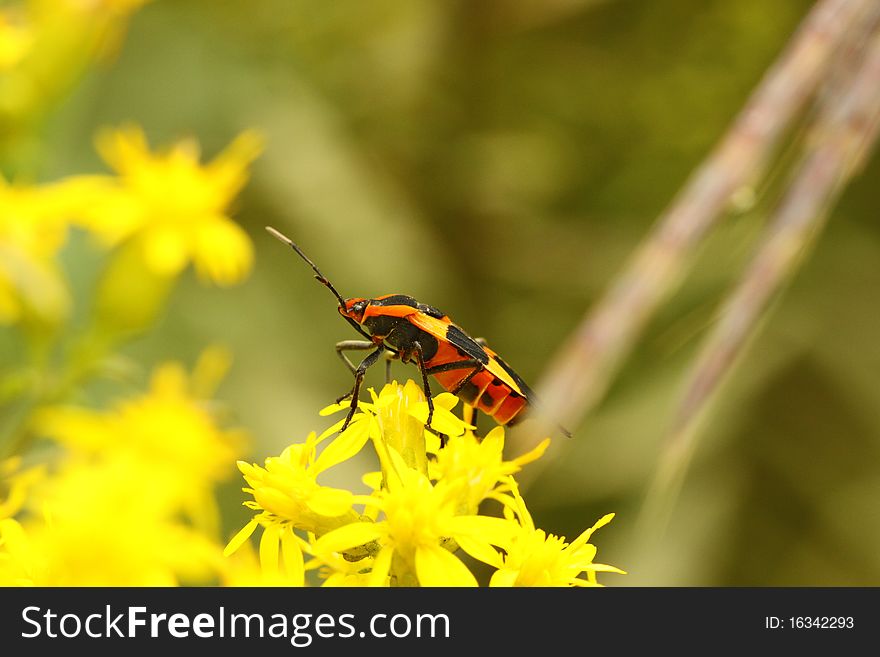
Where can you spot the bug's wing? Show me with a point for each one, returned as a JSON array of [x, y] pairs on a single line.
[[512, 378], [443, 329]]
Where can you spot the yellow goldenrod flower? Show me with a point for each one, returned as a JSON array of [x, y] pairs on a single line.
[[170, 205], [132, 501], [480, 463], [244, 569], [535, 558], [423, 508], [167, 432], [103, 525], [396, 419], [419, 520], [33, 228], [288, 496], [337, 571]]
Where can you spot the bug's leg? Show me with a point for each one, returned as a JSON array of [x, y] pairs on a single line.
[[417, 348], [366, 363], [351, 345], [469, 414], [470, 375], [481, 341], [457, 365], [389, 356]]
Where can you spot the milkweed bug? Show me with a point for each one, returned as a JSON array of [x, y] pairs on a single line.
[[401, 327]]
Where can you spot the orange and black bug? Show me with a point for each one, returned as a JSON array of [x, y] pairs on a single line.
[[401, 327]]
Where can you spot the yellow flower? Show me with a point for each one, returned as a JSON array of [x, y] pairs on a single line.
[[419, 521], [396, 419], [168, 431], [288, 496], [174, 208], [337, 571], [33, 228], [480, 463], [535, 558], [16, 39], [103, 526], [423, 508], [244, 569], [132, 501]]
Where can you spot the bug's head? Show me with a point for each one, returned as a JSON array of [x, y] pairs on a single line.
[[354, 309]]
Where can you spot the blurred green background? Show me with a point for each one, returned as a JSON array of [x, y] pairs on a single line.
[[500, 160]]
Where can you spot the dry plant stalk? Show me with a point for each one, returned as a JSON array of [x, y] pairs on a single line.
[[585, 365], [844, 131]]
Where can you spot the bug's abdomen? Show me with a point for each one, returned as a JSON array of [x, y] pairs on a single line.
[[484, 391]]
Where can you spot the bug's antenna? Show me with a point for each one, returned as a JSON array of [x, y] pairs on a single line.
[[318, 275]]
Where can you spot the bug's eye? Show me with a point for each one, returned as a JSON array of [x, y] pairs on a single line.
[[355, 310]]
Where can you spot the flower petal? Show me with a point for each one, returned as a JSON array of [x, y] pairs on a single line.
[[497, 531], [443, 421], [438, 567], [381, 567], [332, 502], [222, 251], [534, 454], [349, 536], [343, 447], [480, 550], [238, 540], [269, 550], [585, 535], [294, 565], [505, 577]]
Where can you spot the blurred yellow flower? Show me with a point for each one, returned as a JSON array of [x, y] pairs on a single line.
[[104, 524], [243, 568], [131, 502], [173, 207], [168, 432], [16, 39], [33, 228]]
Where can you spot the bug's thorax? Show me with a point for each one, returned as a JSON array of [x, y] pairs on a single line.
[[382, 322]]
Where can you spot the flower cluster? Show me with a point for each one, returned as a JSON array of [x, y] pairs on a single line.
[[122, 496], [128, 498], [422, 523], [162, 211]]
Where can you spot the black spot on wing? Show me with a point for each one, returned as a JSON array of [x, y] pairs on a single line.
[[431, 310], [395, 300], [465, 344], [527, 392]]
